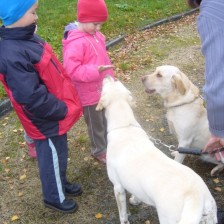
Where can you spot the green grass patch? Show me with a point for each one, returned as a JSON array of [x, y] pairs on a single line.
[[2, 92]]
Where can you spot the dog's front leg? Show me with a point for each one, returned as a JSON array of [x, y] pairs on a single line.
[[120, 196]]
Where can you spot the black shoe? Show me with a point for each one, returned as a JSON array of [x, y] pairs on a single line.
[[67, 206], [73, 189]]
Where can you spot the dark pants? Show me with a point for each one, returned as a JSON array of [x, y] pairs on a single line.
[[52, 155], [97, 129]]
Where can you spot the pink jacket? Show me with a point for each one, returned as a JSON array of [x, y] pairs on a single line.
[[82, 54]]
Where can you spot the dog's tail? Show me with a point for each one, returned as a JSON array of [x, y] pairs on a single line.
[[196, 210], [192, 210]]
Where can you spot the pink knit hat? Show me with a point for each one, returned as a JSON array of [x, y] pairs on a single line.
[[91, 11]]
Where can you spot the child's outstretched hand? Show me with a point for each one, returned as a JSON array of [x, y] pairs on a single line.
[[102, 68]]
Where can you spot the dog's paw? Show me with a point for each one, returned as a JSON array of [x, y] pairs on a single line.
[[174, 154], [99, 106], [217, 169], [134, 201]]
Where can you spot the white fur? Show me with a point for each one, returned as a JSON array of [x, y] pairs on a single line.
[[186, 114], [136, 165]]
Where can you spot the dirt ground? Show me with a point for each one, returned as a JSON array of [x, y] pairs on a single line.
[[176, 43]]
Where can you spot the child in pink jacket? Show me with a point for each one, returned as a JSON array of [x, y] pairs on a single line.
[[86, 61]]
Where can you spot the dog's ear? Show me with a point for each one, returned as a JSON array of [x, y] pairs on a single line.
[[178, 84]]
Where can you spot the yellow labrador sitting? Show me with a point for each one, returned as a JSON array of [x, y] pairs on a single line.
[[186, 115], [136, 165]]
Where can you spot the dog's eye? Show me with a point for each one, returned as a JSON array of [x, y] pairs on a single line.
[[158, 75]]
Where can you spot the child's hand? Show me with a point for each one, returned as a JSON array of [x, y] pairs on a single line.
[[102, 68]]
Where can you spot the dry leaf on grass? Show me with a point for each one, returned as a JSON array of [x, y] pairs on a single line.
[[7, 170], [99, 216], [219, 189], [15, 218], [216, 180], [22, 177], [20, 194], [22, 144]]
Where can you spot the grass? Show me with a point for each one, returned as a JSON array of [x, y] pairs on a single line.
[[124, 17]]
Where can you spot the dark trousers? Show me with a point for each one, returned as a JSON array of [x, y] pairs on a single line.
[[52, 155], [97, 129]]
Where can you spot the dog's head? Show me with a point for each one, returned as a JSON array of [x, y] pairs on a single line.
[[112, 91], [166, 80]]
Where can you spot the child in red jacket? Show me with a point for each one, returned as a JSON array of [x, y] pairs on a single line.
[[43, 97]]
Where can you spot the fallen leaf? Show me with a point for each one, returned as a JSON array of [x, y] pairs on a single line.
[[15, 217], [147, 222], [219, 189], [7, 158], [7, 170], [99, 216], [162, 129], [86, 159], [216, 180], [15, 131], [6, 118], [22, 144], [23, 177], [20, 194]]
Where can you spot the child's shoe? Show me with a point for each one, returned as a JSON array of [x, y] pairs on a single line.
[[102, 157], [32, 150]]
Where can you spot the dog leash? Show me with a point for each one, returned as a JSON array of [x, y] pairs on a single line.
[[183, 150], [197, 151]]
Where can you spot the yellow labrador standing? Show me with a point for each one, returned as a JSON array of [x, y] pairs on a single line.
[[136, 165], [186, 115]]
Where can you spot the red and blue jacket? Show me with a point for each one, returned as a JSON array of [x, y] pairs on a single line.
[[41, 93]]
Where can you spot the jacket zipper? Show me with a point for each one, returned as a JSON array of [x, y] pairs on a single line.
[[55, 66]]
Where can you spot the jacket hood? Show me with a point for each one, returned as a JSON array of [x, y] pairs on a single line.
[[76, 34]]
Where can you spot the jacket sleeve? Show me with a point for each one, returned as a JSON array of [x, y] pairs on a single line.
[[28, 90], [73, 57]]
